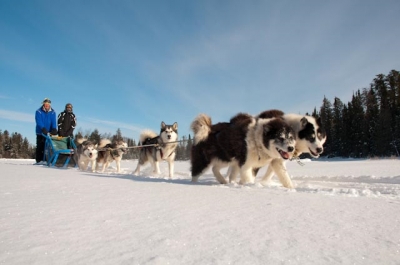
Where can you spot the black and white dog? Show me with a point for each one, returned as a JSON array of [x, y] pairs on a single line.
[[86, 152], [111, 151], [245, 144], [310, 138], [159, 147]]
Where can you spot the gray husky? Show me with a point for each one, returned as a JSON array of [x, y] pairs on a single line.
[[156, 148], [86, 152], [111, 151]]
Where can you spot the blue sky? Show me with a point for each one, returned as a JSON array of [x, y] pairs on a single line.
[[132, 64]]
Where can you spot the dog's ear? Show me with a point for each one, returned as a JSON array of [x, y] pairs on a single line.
[[95, 147], [175, 126], [163, 125], [303, 122]]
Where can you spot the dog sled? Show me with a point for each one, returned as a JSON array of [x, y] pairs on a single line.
[[59, 151]]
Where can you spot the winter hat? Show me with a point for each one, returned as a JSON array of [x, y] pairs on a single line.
[[68, 105], [46, 100]]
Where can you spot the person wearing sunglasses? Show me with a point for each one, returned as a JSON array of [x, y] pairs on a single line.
[[66, 122], [46, 123]]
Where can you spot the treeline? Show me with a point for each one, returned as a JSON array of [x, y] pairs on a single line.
[[367, 126], [15, 146]]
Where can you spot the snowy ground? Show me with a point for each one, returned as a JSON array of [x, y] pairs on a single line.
[[342, 212]]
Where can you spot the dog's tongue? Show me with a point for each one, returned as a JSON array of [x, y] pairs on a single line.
[[284, 154]]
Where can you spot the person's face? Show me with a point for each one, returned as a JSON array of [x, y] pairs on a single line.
[[46, 106]]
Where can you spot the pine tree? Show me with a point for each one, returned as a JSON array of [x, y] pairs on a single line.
[[95, 136], [384, 127], [338, 128], [371, 122], [326, 119], [117, 136], [189, 148], [393, 81], [357, 133]]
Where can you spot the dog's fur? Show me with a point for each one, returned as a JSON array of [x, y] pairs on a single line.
[[244, 143], [310, 137], [86, 153], [111, 151], [164, 149]]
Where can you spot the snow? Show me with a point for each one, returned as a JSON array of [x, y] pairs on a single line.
[[341, 212]]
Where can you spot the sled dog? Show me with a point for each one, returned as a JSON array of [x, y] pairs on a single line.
[[111, 151], [86, 152], [244, 143], [310, 138], [159, 147]]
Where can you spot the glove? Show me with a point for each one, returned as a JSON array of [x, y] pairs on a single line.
[[53, 132], [44, 131]]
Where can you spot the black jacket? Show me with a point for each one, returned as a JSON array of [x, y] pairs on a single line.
[[66, 124]]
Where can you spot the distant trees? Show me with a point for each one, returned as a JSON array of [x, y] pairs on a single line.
[[368, 125], [15, 146]]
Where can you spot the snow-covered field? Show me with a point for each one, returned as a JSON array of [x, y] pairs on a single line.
[[341, 212]]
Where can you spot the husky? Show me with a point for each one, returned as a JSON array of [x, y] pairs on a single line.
[[310, 138], [109, 152], [244, 143], [86, 152], [156, 148]]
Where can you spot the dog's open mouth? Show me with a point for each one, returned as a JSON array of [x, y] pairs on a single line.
[[284, 155], [90, 155], [313, 153]]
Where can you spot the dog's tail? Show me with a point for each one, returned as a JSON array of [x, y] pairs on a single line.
[[146, 134], [80, 140], [104, 142], [201, 126]]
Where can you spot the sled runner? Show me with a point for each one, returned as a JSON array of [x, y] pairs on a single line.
[[59, 151]]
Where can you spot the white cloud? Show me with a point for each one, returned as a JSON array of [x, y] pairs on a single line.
[[16, 116]]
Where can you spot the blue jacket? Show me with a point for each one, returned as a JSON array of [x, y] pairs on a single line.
[[45, 120]]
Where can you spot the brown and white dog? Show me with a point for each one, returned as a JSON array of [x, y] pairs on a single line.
[[244, 143]]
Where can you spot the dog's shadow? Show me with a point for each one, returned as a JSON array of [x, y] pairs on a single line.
[[151, 179]]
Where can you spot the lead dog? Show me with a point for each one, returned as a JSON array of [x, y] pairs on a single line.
[[244, 143], [310, 138], [159, 147], [86, 153], [111, 151]]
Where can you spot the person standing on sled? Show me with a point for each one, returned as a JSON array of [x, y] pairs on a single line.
[[66, 122], [46, 123]]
